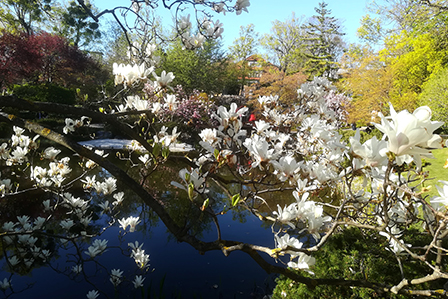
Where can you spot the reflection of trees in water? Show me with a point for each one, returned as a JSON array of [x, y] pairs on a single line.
[[40, 228]]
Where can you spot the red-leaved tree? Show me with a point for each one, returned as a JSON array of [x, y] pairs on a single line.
[[42, 58]]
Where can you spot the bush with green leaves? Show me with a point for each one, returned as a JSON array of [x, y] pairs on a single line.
[[355, 254], [435, 95], [46, 92]]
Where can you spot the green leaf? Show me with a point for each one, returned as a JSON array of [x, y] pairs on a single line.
[[165, 152], [93, 26], [191, 191], [205, 204], [156, 149], [216, 154], [236, 199]]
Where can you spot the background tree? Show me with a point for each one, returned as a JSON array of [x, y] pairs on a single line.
[[412, 59], [435, 95], [77, 25], [277, 83], [399, 15], [371, 30], [243, 47], [24, 15], [368, 80], [46, 58], [285, 44], [324, 43], [204, 69], [408, 59]]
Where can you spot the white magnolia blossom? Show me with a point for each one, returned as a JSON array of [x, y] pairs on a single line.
[[397, 247], [184, 22], [72, 124], [264, 100], [219, 7], [50, 153], [373, 151], [129, 74], [260, 150], [304, 262], [210, 136], [77, 269], [97, 247], [193, 176], [164, 79], [138, 281], [212, 30], [5, 284], [140, 258], [441, 202], [92, 294], [231, 117], [116, 276], [131, 221], [410, 134], [135, 102], [170, 102], [286, 168], [286, 241], [242, 5]]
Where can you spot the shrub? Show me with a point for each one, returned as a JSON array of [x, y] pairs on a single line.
[[354, 254], [435, 95], [46, 92]]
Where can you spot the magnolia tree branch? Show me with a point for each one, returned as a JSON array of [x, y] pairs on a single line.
[[12, 101]]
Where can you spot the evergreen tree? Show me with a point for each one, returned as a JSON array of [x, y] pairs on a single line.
[[324, 43]]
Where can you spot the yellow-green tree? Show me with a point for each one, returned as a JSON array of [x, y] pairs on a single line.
[[412, 59], [367, 80]]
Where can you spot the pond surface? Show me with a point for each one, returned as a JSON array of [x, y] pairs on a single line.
[[176, 269], [183, 270]]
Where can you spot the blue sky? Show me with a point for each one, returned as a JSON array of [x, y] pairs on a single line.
[[263, 12]]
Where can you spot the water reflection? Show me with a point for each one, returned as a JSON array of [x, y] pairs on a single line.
[[176, 269]]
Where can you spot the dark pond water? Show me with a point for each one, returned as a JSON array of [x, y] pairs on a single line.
[[176, 269], [182, 269]]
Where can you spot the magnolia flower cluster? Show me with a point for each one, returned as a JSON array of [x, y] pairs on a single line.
[[129, 74], [55, 174], [303, 261], [312, 159], [207, 29], [18, 148], [139, 255], [304, 211], [21, 233], [97, 248], [170, 141], [72, 124], [131, 221], [24, 238], [409, 135]]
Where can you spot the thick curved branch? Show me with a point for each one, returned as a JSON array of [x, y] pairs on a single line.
[[12, 101]]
